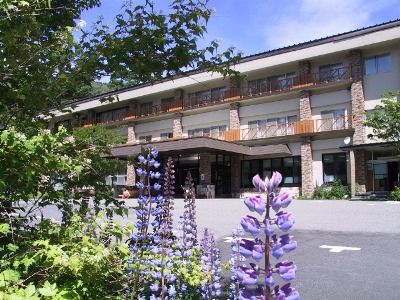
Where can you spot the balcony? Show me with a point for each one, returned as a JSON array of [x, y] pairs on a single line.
[[298, 82], [306, 127]]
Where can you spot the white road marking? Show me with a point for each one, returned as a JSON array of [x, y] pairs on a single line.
[[338, 249]]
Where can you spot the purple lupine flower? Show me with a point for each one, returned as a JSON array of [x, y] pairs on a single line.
[[141, 158], [286, 292], [282, 200], [288, 244], [156, 164], [157, 186], [258, 252], [259, 183], [287, 270], [284, 220], [268, 229], [171, 291], [154, 287], [277, 250], [255, 203], [250, 295], [246, 247], [247, 276], [251, 249], [154, 152], [212, 266], [250, 224], [274, 181], [269, 280]]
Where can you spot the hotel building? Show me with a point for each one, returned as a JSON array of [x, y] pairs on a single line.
[[301, 111]]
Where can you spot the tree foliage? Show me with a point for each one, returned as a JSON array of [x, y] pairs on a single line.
[[46, 61], [385, 120]]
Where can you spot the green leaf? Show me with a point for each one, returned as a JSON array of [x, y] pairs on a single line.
[[4, 228], [48, 290]]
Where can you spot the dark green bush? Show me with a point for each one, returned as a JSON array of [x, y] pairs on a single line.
[[395, 195], [334, 190]]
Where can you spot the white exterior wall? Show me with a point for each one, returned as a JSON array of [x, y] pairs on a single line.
[[153, 128], [205, 120], [330, 101], [376, 84], [320, 147], [264, 111]]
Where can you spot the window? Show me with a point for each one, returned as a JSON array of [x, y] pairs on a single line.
[[332, 120], [218, 94], [271, 127], [331, 72], [145, 138], [166, 136], [258, 86], [334, 167], [146, 108], [377, 64], [289, 167], [111, 115], [206, 96], [282, 82], [169, 104], [216, 132]]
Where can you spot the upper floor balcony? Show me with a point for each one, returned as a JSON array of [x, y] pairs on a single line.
[[313, 127], [249, 91], [300, 128]]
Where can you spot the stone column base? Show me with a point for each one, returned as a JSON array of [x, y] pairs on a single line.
[[307, 185]]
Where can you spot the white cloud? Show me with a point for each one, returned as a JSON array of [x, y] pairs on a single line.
[[312, 19]]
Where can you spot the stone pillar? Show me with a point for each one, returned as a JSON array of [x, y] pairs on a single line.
[[234, 116], [357, 98], [130, 175], [305, 105], [131, 133], [358, 172], [177, 130], [205, 168], [307, 184], [357, 157], [235, 175]]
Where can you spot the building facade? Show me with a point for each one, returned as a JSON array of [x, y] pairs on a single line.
[[301, 111]]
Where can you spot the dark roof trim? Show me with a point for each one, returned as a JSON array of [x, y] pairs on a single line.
[[295, 47], [204, 142]]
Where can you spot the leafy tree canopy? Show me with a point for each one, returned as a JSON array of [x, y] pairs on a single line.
[[43, 66], [385, 119]]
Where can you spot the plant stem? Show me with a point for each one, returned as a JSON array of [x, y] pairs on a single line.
[[267, 249]]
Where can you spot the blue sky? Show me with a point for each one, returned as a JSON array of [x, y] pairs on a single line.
[[254, 26]]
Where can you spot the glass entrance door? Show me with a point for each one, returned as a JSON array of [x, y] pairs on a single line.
[[221, 175]]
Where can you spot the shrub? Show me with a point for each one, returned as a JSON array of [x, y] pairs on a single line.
[[334, 190], [55, 262], [395, 195]]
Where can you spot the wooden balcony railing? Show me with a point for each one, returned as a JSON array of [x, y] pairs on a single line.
[[299, 81], [292, 128]]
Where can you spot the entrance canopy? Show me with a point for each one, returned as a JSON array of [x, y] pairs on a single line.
[[204, 143]]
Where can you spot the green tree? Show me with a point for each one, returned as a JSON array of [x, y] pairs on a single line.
[[385, 120], [46, 61]]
